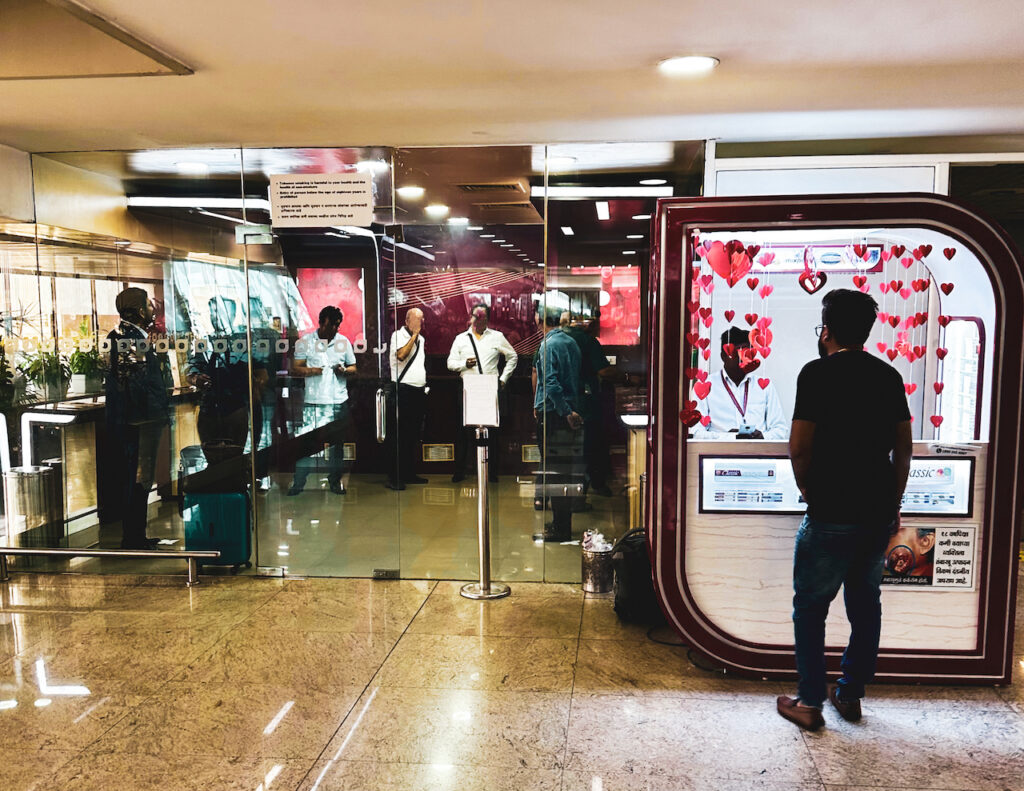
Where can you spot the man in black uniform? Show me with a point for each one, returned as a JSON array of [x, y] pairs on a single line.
[[851, 446]]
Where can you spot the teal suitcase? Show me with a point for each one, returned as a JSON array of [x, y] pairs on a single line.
[[220, 521]]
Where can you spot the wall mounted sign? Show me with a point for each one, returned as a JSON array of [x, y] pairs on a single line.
[[320, 200]]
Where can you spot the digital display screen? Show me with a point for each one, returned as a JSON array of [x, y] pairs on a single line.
[[758, 484]]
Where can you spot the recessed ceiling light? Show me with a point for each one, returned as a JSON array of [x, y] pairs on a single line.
[[567, 230], [426, 246], [635, 236], [122, 242], [641, 216], [653, 182], [410, 192], [687, 65], [475, 228], [602, 209], [523, 255], [458, 220], [436, 210], [629, 252], [506, 245], [192, 168], [497, 241], [371, 166], [487, 236]]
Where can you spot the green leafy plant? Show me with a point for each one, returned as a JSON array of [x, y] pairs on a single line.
[[6, 378], [46, 368], [88, 363]]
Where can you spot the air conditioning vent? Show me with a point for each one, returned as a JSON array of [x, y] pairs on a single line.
[[507, 186], [510, 206]]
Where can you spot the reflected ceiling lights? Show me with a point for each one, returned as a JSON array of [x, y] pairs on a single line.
[[371, 166], [635, 236], [641, 216], [561, 163], [629, 252], [475, 228], [436, 210], [600, 192], [567, 230], [653, 182], [410, 192], [458, 220], [688, 65], [602, 210], [487, 236]]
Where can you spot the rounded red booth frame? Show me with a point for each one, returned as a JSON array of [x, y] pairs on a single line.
[[670, 273]]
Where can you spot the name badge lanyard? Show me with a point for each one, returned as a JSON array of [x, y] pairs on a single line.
[[746, 394]]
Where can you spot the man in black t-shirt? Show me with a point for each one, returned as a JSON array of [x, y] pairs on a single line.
[[850, 446]]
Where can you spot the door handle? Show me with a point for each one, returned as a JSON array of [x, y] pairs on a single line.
[[382, 418]]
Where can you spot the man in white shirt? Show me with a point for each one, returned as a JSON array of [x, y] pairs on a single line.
[[474, 352], [324, 358], [406, 353], [742, 405]]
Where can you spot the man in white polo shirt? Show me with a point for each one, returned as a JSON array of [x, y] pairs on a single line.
[[324, 358], [476, 352], [742, 404], [405, 408]]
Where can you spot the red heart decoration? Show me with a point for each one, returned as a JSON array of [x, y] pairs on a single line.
[[729, 261], [692, 337], [689, 406], [905, 293], [910, 356], [701, 389], [751, 318], [764, 322], [729, 314], [752, 250], [729, 349], [891, 354], [883, 287], [765, 351], [895, 285], [936, 420], [859, 280], [705, 421], [708, 321], [812, 282], [718, 258], [907, 261], [760, 338], [897, 250], [894, 321], [860, 250], [944, 320], [764, 382], [707, 282], [752, 283], [925, 250], [705, 312], [690, 418], [701, 251], [938, 387], [886, 255], [693, 307], [919, 351], [881, 349], [690, 373], [909, 322], [910, 388], [706, 354], [949, 252], [704, 343], [740, 266], [766, 291], [946, 288], [766, 260], [702, 375], [883, 316], [941, 353]]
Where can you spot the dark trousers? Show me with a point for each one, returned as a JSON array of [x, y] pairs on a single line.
[[826, 557], [596, 451], [562, 449], [140, 444], [337, 420], [405, 419]]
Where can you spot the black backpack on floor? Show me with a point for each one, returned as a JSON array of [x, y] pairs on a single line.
[[635, 600]]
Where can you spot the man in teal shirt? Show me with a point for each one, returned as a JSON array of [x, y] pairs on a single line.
[[556, 406]]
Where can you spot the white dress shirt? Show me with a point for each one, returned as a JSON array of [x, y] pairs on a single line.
[[328, 387], [491, 345], [763, 408], [417, 374]]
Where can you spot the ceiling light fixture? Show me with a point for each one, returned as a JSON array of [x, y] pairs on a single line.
[[568, 231], [635, 236], [688, 65], [641, 216], [506, 245], [487, 236], [458, 220], [411, 192], [629, 252], [475, 228], [198, 203], [497, 241], [653, 182], [192, 168], [602, 210], [436, 210], [557, 193]]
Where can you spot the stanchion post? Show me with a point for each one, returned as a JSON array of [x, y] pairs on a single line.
[[193, 573], [485, 589]]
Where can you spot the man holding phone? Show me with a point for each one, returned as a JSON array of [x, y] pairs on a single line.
[[324, 358]]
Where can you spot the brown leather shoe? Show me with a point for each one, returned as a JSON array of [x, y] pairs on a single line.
[[849, 710], [807, 718]]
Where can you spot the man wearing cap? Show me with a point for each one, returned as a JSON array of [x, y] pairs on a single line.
[[137, 410]]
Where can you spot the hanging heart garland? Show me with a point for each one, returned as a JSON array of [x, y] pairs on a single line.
[[752, 283], [766, 291], [812, 282], [936, 420], [860, 280], [729, 315], [947, 288], [766, 260], [763, 382], [949, 252], [701, 389], [860, 250]]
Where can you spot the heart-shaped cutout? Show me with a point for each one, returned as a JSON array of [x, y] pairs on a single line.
[[944, 320], [812, 282], [860, 250], [706, 354], [708, 321], [949, 252], [883, 287], [705, 312], [905, 293], [766, 291], [729, 349], [883, 316], [936, 420], [881, 348], [766, 259], [941, 353], [897, 250], [859, 280], [701, 389], [895, 285], [947, 288], [752, 283], [892, 354], [705, 421], [701, 374], [907, 261], [910, 388], [751, 318], [894, 321], [729, 314], [919, 351], [752, 251], [886, 255], [689, 417], [701, 251], [925, 250], [938, 387], [692, 338], [763, 382], [693, 307], [704, 343]]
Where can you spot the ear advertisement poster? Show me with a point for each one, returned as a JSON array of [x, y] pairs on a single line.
[[931, 557]]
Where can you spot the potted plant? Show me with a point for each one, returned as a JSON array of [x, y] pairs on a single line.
[[86, 370], [49, 372]]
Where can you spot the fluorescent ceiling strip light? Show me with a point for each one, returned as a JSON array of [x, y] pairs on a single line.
[[602, 210], [410, 248], [199, 203], [568, 231], [601, 192]]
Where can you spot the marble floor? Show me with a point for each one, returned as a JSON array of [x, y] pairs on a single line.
[[135, 682]]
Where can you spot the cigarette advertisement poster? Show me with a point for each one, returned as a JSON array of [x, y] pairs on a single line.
[[931, 557]]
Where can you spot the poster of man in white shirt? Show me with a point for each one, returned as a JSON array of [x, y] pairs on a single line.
[[741, 400], [477, 351], [325, 359]]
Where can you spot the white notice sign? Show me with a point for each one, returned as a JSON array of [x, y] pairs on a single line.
[[480, 400], [319, 200]]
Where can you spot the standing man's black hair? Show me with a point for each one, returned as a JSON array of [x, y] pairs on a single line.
[[849, 316], [331, 313]]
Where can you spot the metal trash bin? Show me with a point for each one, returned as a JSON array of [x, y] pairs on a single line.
[[34, 499], [598, 570]]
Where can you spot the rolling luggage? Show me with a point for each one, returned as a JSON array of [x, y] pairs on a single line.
[[219, 520]]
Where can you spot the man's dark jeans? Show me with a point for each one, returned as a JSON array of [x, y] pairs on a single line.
[[827, 556]]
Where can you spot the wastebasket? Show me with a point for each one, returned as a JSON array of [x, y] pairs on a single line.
[[34, 498], [598, 571]]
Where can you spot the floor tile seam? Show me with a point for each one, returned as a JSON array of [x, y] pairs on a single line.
[[572, 693], [367, 686]]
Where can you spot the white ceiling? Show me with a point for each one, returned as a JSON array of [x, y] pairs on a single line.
[[313, 72]]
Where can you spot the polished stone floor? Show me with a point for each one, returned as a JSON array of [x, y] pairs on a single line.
[[134, 682]]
